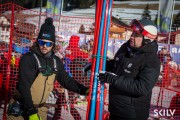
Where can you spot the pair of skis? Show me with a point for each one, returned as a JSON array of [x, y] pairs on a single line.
[[101, 37]]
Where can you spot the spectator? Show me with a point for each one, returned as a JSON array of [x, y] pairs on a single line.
[[38, 70], [133, 73]]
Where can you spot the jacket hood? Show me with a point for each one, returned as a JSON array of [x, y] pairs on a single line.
[[74, 41]]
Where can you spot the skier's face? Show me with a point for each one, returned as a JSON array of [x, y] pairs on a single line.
[[45, 46], [136, 40]]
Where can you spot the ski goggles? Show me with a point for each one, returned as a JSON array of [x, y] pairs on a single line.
[[138, 28], [42, 43]]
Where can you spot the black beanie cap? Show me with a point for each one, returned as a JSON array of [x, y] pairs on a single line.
[[47, 30]]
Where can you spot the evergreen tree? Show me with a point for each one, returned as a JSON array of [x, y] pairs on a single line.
[[156, 18], [146, 13], [83, 4], [176, 23]]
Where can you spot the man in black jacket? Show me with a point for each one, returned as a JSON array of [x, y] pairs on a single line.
[[39, 69], [133, 73]]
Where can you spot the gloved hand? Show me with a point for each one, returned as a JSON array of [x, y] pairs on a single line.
[[35, 117], [86, 68], [107, 77]]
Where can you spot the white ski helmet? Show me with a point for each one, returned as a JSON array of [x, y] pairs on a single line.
[[145, 27]]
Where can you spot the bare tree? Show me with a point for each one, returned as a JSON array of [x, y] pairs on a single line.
[[81, 29], [146, 13]]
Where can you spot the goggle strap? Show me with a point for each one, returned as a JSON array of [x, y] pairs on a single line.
[[149, 35]]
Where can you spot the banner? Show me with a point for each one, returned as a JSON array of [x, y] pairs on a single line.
[[164, 16], [175, 53], [53, 8]]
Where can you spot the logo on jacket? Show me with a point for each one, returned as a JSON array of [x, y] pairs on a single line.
[[129, 65]]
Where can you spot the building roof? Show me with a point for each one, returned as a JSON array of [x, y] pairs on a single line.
[[20, 22], [119, 22]]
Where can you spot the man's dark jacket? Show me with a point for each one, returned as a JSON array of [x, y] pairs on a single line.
[[29, 71], [138, 71]]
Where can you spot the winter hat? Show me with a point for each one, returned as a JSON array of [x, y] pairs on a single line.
[[145, 27], [47, 30], [74, 41]]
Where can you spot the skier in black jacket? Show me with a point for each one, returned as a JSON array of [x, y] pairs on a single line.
[[133, 73], [39, 69]]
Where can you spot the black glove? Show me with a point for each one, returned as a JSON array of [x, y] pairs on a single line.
[[86, 68], [32, 111], [14, 108], [107, 77]]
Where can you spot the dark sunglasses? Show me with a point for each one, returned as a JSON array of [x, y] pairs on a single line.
[[42, 43], [138, 28]]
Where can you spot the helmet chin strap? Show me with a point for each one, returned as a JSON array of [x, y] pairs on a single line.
[[145, 41]]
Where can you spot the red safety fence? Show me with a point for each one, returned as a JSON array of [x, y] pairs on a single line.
[[18, 30]]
